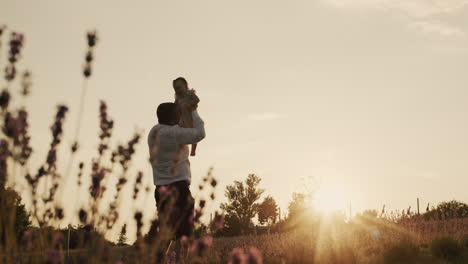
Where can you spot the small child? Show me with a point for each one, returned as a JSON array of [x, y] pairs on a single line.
[[187, 101]]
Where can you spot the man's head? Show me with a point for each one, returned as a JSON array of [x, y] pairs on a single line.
[[168, 114], [180, 85]]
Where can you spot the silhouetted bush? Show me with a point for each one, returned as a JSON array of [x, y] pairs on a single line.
[[405, 252], [446, 248], [464, 241]]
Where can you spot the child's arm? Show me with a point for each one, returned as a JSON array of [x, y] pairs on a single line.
[[191, 135]]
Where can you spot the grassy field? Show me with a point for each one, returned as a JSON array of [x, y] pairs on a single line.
[[437, 242]]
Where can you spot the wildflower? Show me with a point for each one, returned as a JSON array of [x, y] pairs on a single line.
[[56, 128], [207, 241], [58, 238], [136, 188], [92, 40], [27, 235], [26, 83], [254, 256], [200, 248], [74, 147], [10, 72], [83, 215], [89, 57], [4, 99], [87, 71], [53, 256], [237, 256], [218, 221], [27, 238], [163, 190], [59, 213], [16, 43], [80, 173], [4, 153], [106, 124], [51, 158], [125, 153], [202, 203], [97, 176], [213, 183], [196, 217], [138, 218], [121, 183], [184, 240]]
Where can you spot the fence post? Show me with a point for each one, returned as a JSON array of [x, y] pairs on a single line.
[[417, 200]]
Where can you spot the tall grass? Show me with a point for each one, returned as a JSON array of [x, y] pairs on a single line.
[[44, 243]]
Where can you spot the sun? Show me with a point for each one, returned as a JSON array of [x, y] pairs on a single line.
[[330, 198]]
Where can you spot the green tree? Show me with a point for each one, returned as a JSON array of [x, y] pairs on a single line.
[[267, 211], [448, 210], [241, 206], [298, 206], [14, 218]]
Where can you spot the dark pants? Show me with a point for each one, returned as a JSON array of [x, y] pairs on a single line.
[[175, 208]]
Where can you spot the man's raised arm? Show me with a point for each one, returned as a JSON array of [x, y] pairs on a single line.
[[191, 135]]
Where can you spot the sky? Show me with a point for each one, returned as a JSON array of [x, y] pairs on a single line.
[[368, 96]]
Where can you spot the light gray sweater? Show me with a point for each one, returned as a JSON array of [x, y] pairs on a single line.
[[169, 153]]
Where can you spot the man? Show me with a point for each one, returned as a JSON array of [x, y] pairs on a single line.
[[169, 151]]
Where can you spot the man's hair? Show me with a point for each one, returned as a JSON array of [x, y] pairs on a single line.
[[167, 113], [182, 79]]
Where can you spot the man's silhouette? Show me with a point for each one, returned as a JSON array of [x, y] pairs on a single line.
[[169, 156]]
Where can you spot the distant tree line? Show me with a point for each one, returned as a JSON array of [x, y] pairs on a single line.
[[244, 204]]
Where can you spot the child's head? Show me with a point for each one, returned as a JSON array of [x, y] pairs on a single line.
[[180, 85]]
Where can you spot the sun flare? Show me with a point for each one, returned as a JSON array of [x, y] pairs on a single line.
[[330, 198]]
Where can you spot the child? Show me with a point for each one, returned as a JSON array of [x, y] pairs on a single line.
[[187, 101]]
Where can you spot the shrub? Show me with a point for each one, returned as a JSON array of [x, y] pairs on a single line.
[[446, 248], [464, 241], [404, 252]]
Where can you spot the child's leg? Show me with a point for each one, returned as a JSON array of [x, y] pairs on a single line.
[[194, 148]]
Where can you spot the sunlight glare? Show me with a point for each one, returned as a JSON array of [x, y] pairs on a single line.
[[330, 198]]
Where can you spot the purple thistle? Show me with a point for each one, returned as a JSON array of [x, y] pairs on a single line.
[[53, 256], [125, 153], [139, 222], [4, 99], [237, 256], [59, 238], [26, 83], [136, 187], [16, 43], [218, 221], [92, 40], [254, 256], [4, 153]]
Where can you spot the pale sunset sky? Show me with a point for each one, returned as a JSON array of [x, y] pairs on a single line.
[[368, 96]]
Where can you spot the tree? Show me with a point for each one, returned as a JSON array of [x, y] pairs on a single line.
[[448, 210], [267, 211], [15, 219], [297, 206], [123, 236], [367, 217], [241, 205]]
